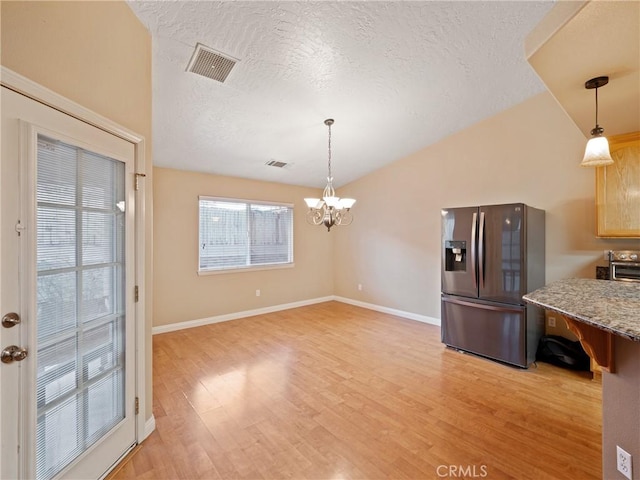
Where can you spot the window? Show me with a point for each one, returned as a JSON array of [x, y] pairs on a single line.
[[242, 234]]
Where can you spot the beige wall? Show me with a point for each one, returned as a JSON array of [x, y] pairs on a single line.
[[529, 153], [182, 295], [99, 55], [621, 418]]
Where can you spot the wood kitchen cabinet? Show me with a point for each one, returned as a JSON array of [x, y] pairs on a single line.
[[618, 189]]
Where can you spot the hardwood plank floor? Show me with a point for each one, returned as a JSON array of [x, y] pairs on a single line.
[[333, 391]]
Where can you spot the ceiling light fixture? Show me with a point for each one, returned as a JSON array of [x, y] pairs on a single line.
[[597, 152], [330, 210]]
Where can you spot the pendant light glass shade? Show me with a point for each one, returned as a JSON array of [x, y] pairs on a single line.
[[597, 153], [314, 202], [347, 202]]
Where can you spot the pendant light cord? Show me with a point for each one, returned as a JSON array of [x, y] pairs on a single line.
[[596, 107]]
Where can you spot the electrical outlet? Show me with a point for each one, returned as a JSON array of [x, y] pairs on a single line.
[[551, 321], [257, 293], [360, 287], [624, 463]]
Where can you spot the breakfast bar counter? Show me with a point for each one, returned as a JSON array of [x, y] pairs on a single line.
[[594, 311], [605, 316], [610, 306]]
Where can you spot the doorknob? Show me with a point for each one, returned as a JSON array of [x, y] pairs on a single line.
[[10, 320], [13, 354]]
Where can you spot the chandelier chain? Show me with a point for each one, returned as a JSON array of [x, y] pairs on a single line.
[[329, 142]]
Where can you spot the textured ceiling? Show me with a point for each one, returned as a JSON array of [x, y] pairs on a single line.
[[395, 76]]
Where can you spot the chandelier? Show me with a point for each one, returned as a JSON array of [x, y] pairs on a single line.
[[329, 210]]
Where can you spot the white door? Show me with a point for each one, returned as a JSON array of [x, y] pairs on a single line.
[[67, 409]]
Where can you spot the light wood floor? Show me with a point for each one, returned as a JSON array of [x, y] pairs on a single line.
[[333, 391]]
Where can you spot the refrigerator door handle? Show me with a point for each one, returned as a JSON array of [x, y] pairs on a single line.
[[481, 251], [482, 306], [474, 223]]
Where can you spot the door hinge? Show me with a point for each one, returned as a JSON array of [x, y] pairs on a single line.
[[136, 293], [137, 406], [20, 228], [137, 181]]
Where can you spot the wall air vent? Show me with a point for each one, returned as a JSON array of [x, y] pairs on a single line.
[[211, 64], [275, 163]]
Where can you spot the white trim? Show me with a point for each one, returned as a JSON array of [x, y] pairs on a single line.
[[35, 91], [391, 311], [1, 307], [28, 289], [149, 427], [172, 327], [250, 268], [31, 89], [140, 305]]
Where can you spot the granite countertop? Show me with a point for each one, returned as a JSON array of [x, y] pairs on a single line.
[[608, 305]]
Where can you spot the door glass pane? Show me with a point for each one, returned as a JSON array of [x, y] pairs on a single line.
[[80, 305], [98, 293], [56, 374], [56, 303], [60, 422], [56, 238], [57, 165], [98, 241]]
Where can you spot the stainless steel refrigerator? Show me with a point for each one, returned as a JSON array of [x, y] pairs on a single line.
[[491, 256]]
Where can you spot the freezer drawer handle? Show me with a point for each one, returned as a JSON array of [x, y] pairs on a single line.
[[481, 305]]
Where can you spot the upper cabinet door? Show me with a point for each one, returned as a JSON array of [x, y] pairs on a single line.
[[617, 189]]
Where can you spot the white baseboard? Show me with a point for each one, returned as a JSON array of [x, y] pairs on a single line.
[[149, 427], [391, 311], [172, 327]]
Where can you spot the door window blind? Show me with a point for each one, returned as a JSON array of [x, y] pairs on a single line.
[[80, 302]]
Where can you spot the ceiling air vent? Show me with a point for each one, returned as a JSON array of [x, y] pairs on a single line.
[[210, 64], [275, 163]]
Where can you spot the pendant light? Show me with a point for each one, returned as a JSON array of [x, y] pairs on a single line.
[[330, 210], [597, 152]]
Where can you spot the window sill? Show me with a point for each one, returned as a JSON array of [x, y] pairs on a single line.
[[253, 268]]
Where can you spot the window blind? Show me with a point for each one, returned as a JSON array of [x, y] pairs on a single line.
[[240, 234]]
